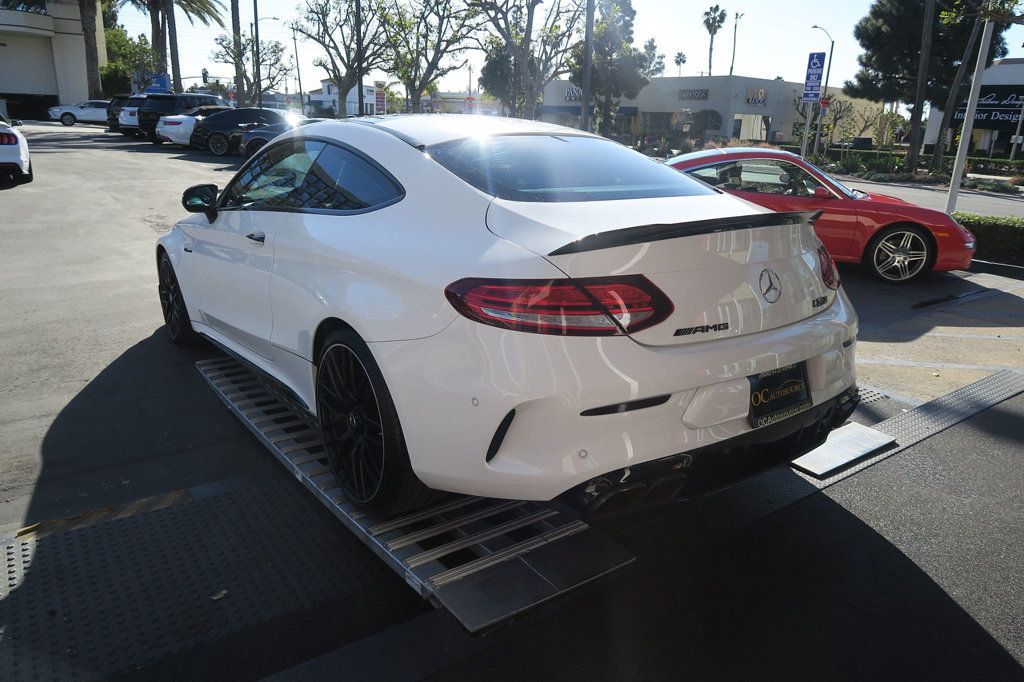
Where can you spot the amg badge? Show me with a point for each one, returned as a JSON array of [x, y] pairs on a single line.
[[820, 301], [702, 329]]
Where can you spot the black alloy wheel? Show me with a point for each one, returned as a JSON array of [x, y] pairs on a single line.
[[179, 328], [361, 432], [351, 424], [254, 146], [218, 144]]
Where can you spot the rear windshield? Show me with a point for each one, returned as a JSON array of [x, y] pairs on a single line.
[[560, 168], [161, 104], [118, 100]]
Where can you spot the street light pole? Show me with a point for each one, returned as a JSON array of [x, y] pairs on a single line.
[[359, 56], [588, 48], [256, 53], [824, 94], [298, 73]]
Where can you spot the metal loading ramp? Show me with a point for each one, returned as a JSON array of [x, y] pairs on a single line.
[[483, 559]]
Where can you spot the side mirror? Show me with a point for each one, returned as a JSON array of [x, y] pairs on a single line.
[[201, 199], [17, 122], [822, 193]]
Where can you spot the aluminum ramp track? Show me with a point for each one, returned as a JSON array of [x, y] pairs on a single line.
[[483, 559]]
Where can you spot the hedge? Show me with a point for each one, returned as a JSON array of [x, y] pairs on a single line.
[[1000, 238], [892, 158]]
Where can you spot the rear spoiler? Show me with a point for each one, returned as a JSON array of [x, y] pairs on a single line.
[[652, 233]]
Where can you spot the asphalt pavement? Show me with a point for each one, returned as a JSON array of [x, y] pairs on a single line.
[[142, 498], [971, 201]]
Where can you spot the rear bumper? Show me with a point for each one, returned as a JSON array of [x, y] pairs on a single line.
[[454, 389]]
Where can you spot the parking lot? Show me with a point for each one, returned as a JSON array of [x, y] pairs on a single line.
[[153, 536]]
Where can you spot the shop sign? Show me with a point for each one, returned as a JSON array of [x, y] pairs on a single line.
[[573, 94], [700, 94], [757, 97]]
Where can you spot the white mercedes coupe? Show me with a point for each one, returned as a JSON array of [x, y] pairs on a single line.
[[514, 309]]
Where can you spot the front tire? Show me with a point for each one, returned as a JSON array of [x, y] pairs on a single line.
[[176, 318], [361, 432], [218, 144], [68, 119], [900, 254]]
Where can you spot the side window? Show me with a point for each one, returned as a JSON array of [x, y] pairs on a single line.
[[708, 175], [274, 177], [228, 118], [343, 181], [771, 176]]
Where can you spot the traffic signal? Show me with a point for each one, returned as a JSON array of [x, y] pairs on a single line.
[[206, 77]]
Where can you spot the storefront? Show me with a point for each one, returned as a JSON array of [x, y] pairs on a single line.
[[1000, 105], [753, 109]]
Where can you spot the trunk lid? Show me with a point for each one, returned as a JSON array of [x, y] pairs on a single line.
[[729, 267]]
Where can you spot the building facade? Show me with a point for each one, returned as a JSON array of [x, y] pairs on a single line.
[[326, 97], [1000, 106], [42, 55]]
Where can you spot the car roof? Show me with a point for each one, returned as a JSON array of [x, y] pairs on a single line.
[[711, 155], [430, 129]]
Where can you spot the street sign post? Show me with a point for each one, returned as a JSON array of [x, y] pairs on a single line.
[[812, 92]]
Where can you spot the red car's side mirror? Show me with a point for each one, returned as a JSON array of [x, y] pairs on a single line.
[[822, 193]]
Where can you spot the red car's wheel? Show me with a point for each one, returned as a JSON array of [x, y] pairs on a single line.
[[899, 254]]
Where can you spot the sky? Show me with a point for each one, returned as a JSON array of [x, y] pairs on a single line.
[[773, 39]]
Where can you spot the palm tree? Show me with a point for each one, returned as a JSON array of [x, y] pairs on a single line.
[[162, 22], [87, 12], [714, 19], [236, 35], [680, 60]]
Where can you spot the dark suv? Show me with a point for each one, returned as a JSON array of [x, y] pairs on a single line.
[[113, 109], [157, 105]]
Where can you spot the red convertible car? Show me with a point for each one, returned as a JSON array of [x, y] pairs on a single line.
[[897, 240]]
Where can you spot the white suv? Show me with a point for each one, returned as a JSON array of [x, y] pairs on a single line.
[[89, 111]]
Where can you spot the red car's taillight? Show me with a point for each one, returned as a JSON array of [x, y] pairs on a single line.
[[829, 271], [599, 306], [8, 138]]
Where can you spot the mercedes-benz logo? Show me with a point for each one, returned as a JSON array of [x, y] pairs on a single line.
[[771, 287]]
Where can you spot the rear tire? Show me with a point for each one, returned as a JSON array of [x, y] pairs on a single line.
[[361, 432], [218, 144], [254, 147], [176, 319], [27, 177], [68, 119]]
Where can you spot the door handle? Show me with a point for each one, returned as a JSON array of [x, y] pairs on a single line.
[[256, 237]]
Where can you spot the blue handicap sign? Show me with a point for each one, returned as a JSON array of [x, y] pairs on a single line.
[[812, 80]]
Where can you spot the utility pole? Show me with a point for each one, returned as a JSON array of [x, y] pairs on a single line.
[[968, 125], [256, 53], [588, 58], [735, 24], [359, 56], [298, 73], [1013, 142], [824, 93], [922, 81], [954, 96]]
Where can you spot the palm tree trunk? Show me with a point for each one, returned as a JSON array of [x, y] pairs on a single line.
[[87, 11], [157, 35], [236, 37], [711, 49], [172, 37]]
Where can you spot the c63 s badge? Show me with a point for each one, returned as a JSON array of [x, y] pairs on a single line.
[[702, 329]]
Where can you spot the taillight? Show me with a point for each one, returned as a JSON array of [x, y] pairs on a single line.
[[172, 123], [599, 306], [829, 271], [8, 138]]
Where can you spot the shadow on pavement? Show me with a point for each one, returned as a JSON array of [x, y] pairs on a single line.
[[164, 527], [810, 592]]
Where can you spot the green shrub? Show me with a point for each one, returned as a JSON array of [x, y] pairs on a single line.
[[1000, 238], [990, 185]]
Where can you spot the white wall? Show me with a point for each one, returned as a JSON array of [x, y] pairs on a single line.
[[45, 54], [27, 65]]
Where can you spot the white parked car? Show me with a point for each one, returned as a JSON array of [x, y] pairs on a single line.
[[15, 163], [128, 117], [178, 129], [89, 111], [514, 309]]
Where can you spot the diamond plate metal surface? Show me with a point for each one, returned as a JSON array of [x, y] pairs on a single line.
[[88, 603], [469, 540]]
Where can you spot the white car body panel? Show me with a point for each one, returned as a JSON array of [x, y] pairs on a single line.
[[453, 380], [176, 129], [128, 117], [81, 111], [16, 154]]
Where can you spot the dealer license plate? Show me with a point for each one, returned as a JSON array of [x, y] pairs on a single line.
[[778, 394]]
